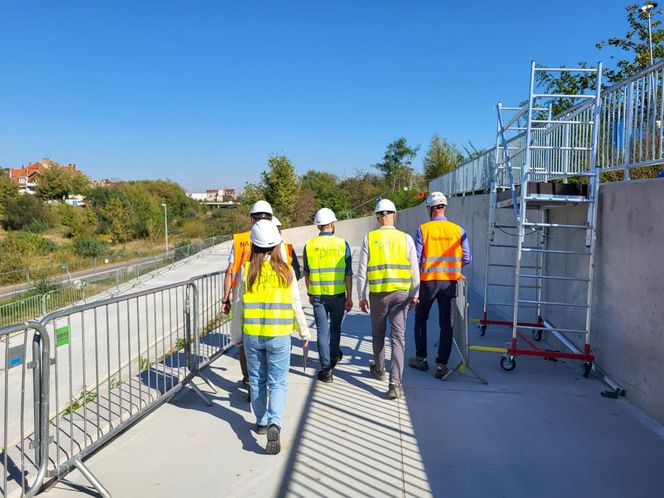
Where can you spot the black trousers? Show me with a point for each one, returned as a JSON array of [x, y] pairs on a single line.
[[441, 291]]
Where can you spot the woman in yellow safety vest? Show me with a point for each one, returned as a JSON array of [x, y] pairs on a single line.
[[266, 311]]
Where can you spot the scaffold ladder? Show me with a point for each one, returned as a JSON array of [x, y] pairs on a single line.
[[537, 154]]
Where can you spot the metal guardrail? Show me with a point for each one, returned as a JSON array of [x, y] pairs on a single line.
[[631, 135], [114, 361]]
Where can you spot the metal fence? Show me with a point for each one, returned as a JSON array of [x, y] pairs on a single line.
[[631, 135], [101, 366], [81, 290], [24, 406]]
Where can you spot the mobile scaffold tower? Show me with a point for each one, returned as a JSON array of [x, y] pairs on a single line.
[[543, 162]]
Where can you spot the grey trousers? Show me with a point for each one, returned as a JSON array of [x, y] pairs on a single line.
[[392, 305]]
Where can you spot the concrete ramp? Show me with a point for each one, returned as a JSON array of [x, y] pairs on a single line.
[[541, 430]]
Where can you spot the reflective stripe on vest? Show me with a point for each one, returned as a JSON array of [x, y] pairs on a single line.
[[442, 254], [326, 259], [241, 254], [388, 268], [268, 306]]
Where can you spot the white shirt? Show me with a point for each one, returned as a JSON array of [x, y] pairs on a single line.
[[237, 320], [362, 281]]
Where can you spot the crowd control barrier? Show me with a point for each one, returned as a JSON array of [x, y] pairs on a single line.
[[97, 368]]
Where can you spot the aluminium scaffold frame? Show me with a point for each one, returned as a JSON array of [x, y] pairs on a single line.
[[543, 151]]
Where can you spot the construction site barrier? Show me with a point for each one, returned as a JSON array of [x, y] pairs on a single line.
[[24, 409], [98, 368]]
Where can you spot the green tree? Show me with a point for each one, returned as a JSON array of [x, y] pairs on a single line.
[[325, 188], [280, 186], [8, 191], [396, 162], [56, 182], [635, 45], [24, 210], [363, 190], [442, 157], [120, 220]]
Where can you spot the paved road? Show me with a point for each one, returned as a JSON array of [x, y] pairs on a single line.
[[78, 275]]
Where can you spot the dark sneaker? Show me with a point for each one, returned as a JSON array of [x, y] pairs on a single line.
[[377, 374], [325, 375], [261, 429], [337, 359], [442, 372], [273, 445], [394, 392], [418, 363]]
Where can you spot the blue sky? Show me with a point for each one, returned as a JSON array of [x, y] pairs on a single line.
[[202, 92]]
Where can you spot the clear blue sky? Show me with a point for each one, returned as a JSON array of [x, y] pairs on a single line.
[[201, 92]]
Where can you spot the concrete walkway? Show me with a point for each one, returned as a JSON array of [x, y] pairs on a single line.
[[541, 430]]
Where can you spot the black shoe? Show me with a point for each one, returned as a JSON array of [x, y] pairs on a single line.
[[325, 375], [418, 363], [337, 359], [442, 372], [273, 445], [261, 429]]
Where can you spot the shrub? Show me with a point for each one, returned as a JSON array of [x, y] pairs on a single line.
[[85, 245], [37, 226], [24, 210]]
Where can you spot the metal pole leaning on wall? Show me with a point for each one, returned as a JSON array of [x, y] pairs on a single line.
[[461, 310]]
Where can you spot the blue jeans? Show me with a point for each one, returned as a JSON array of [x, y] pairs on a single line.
[[268, 361], [329, 335]]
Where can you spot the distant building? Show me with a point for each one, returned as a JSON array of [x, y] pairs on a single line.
[[26, 177], [104, 183], [75, 200], [220, 195], [198, 196]]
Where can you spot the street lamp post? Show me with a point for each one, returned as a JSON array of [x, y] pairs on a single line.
[[165, 225], [647, 9]]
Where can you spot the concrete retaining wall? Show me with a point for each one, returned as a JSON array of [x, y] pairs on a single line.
[[628, 293]]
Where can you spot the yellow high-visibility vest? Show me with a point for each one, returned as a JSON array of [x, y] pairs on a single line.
[[388, 268], [326, 258], [268, 306]]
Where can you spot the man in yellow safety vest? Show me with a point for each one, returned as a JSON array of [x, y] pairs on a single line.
[[388, 270], [329, 278]]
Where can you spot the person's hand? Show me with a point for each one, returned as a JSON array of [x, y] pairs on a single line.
[[225, 308], [305, 343], [349, 303], [413, 302], [364, 306]]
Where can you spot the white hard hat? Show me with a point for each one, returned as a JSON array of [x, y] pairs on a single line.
[[324, 216], [261, 207], [276, 221], [436, 199], [265, 234], [385, 205]]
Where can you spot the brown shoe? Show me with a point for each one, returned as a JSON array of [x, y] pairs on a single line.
[[394, 392], [377, 374]]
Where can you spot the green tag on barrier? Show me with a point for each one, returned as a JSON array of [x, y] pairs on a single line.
[[61, 336]]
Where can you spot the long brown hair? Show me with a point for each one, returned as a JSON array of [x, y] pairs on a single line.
[[280, 267]]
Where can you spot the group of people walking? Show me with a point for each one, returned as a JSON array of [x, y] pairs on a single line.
[[395, 273]]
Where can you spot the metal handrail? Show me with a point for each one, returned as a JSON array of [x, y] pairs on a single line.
[[631, 119]]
